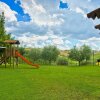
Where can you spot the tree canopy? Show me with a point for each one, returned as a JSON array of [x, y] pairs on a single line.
[[50, 53], [3, 34], [80, 54]]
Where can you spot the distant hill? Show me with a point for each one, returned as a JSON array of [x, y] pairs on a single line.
[[64, 52]]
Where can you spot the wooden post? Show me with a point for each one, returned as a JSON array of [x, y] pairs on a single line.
[[17, 62], [5, 57], [13, 54], [10, 55], [17, 57]]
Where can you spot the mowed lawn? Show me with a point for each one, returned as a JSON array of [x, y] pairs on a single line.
[[50, 83]]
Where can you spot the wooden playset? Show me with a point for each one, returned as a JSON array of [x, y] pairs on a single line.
[[10, 52]]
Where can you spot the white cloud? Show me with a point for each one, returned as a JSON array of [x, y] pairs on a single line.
[[94, 42], [39, 38], [92, 39], [9, 14], [38, 13], [50, 25], [40, 41], [67, 42], [58, 41], [78, 10], [89, 0]]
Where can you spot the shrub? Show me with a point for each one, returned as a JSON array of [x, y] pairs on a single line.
[[86, 63], [62, 61]]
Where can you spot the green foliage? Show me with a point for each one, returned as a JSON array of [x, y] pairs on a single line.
[[35, 54], [2, 27], [22, 50], [86, 52], [86, 63], [76, 54], [80, 54], [8, 36], [62, 61], [50, 54], [3, 35]]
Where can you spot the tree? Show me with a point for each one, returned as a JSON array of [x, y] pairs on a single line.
[[8, 36], [3, 35], [76, 54], [50, 53], [87, 52], [2, 27], [22, 50], [83, 53], [35, 54]]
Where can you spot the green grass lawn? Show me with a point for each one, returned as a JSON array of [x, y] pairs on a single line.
[[50, 83]]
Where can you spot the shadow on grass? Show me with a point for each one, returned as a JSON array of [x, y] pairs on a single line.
[[19, 67]]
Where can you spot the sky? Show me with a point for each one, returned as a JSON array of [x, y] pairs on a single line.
[[64, 23]]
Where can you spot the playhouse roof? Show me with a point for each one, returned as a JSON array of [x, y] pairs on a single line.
[[97, 26], [94, 14], [12, 41]]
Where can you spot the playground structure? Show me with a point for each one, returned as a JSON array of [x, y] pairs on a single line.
[[10, 51]]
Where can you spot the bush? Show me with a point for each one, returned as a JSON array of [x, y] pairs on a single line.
[[86, 63], [62, 61]]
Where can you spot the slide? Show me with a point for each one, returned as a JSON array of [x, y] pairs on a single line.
[[24, 59]]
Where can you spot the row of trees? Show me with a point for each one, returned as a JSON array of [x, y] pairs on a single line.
[[50, 54], [46, 55]]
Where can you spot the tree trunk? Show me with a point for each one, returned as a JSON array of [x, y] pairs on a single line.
[[50, 62], [79, 63], [86, 61]]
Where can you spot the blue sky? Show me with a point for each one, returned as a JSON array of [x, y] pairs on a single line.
[[63, 5], [15, 5], [63, 23]]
